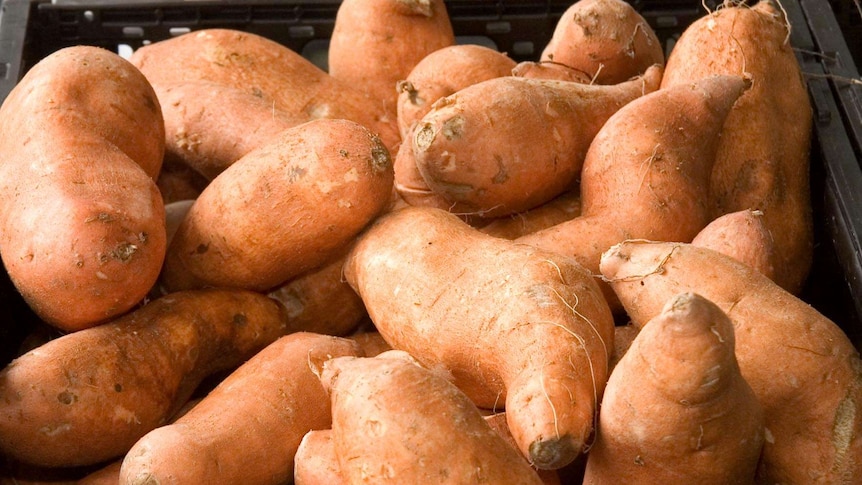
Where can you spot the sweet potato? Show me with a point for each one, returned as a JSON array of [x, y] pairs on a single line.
[[376, 43], [530, 330], [88, 396], [282, 210], [82, 224], [550, 70], [804, 370], [742, 235], [497, 422], [321, 301], [561, 208], [646, 174], [464, 146], [676, 408], [275, 398], [444, 72], [261, 67], [316, 461], [763, 157], [394, 421], [208, 126], [439, 74], [607, 39]]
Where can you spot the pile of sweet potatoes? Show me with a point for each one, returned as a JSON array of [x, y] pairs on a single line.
[[455, 269]]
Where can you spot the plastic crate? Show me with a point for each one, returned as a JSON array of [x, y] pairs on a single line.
[[32, 29]]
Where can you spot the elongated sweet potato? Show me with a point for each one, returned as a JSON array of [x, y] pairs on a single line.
[[286, 208], [529, 331], [676, 408], [88, 396], [764, 156], [275, 398], [646, 174], [394, 421], [607, 39], [376, 43], [261, 67], [464, 146], [82, 223], [804, 370]]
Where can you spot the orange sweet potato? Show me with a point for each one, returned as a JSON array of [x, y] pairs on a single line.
[[208, 126], [376, 43], [316, 461], [763, 158], [88, 396], [561, 208], [321, 301], [444, 72], [285, 208], [676, 408], [606, 39], [261, 67], [530, 331], [804, 370], [275, 397], [742, 235], [646, 174], [439, 74], [394, 421], [82, 224], [464, 146]]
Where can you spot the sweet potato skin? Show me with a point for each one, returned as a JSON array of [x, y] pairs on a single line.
[[276, 388], [804, 370], [763, 159], [606, 39], [81, 219], [335, 169], [88, 396], [414, 269], [376, 43], [394, 421], [646, 173], [259, 66], [742, 235], [208, 126], [676, 406], [463, 147]]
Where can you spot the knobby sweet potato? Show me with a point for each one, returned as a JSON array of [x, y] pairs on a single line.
[[804, 370], [518, 327], [676, 408], [82, 223], [88, 396]]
